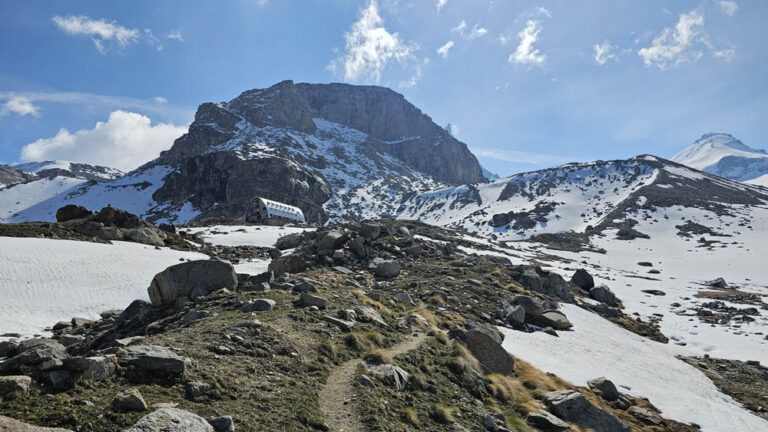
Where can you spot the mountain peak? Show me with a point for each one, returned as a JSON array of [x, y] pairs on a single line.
[[724, 155]]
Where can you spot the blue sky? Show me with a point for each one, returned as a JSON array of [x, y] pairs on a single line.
[[525, 84]]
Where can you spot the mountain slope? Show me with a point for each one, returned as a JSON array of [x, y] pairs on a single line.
[[722, 154], [336, 151], [581, 197]]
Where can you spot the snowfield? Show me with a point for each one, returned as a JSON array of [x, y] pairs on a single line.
[[244, 235], [43, 281], [638, 366]]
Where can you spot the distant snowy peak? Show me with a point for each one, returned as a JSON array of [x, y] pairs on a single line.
[[49, 169], [723, 155], [490, 175]]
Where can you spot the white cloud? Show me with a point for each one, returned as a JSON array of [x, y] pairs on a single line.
[[160, 100], [727, 54], [19, 105], [519, 156], [443, 50], [476, 32], [526, 53], [503, 39], [369, 48], [728, 7], [100, 31], [441, 4], [473, 34], [175, 35], [603, 53], [125, 141], [675, 45], [460, 27]]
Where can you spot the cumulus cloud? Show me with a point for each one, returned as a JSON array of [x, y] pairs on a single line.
[[100, 31], [124, 141], [526, 53], [18, 105], [443, 50], [603, 53], [728, 7], [676, 44], [369, 48]]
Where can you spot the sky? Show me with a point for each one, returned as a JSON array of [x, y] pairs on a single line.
[[526, 85]]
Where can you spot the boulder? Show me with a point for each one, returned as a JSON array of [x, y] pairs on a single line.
[[718, 283], [138, 309], [308, 300], [258, 305], [533, 306], [194, 389], [329, 241], [293, 263], [555, 319], [111, 216], [9, 348], [391, 375], [145, 235], [514, 315], [387, 269], [93, 368], [344, 325], [603, 294], [289, 241], [35, 353], [151, 362], [358, 248], [171, 420], [181, 280], [582, 279], [69, 339], [544, 421], [370, 230], [72, 211], [485, 345], [553, 285], [222, 424], [644, 415], [12, 425], [129, 400], [13, 384], [605, 388], [195, 315], [572, 406]]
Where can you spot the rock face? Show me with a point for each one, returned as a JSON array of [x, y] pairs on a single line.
[[572, 406], [190, 279], [171, 420]]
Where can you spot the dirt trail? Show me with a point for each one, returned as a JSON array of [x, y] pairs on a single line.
[[338, 395]]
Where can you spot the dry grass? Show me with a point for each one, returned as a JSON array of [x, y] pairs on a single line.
[[441, 414], [364, 341], [363, 298], [378, 356]]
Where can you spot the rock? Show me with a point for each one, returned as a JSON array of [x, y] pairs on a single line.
[[391, 375], [603, 294], [370, 230], [515, 315], [304, 286], [61, 325], [152, 362], [181, 280], [555, 319], [195, 315], [329, 241], [544, 421], [358, 248], [171, 420], [654, 292], [289, 241], [13, 384], [530, 279], [718, 283], [572, 406], [553, 285], [307, 300], [35, 353], [114, 217], [604, 388], [72, 211], [344, 325], [645, 264], [533, 307], [488, 351], [11, 425], [267, 277], [387, 269], [56, 380], [68, 340], [138, 309], [292, 263], [145, 235], [96, 368], [222, 424], [645, 416], [128, 341], [129, 400], [258, 305], [9, 348], [194, 389], [371, 315], [403, 296], [366, 381], [81, 322], [582, 279]]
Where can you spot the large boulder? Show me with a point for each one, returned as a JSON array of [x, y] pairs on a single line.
[[148, 363], [533, 306], [555, 319], [145, 235], [93, 368], [111, 216], [582, 279], [603, 294], [72, 211], [35, 353], [387, 269], [485, 345], [573, 407], [11, 425], [293, 263], [129, 400], [545, 421], [289, 241], [185, 279], [171, 420], [370, 230], [329, 241], [13, 384], [605, 388]]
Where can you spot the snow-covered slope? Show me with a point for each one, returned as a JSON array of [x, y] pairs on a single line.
[[722, 154], [578, 197]]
